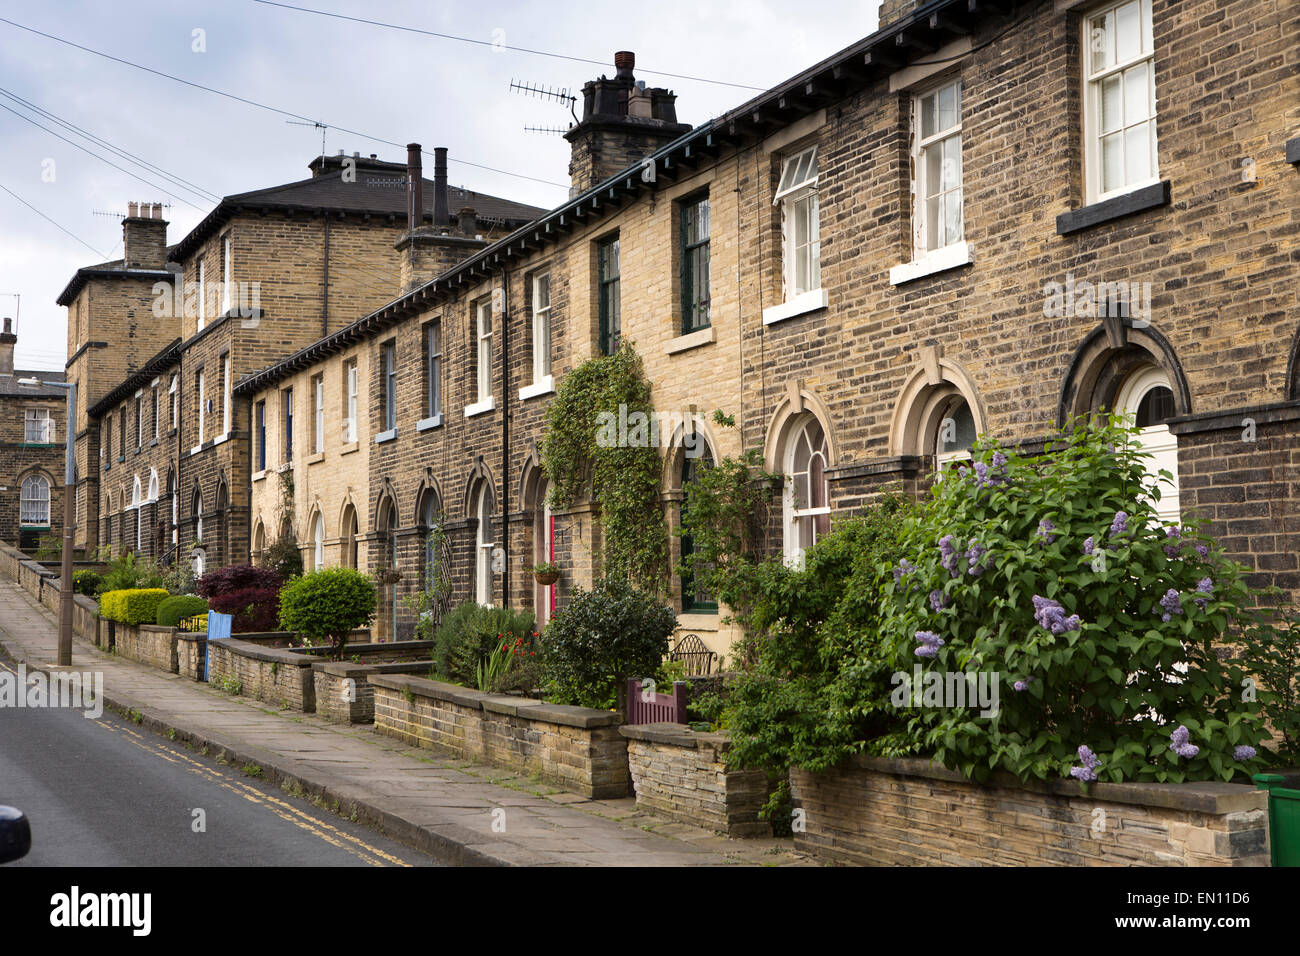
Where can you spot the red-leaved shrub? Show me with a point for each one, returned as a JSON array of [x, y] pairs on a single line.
[[250, 594]]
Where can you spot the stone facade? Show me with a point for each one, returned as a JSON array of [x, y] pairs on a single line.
[[572, 747], [879, 812], [685, 776]]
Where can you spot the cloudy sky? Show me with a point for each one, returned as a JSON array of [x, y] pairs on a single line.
[[384, 83]]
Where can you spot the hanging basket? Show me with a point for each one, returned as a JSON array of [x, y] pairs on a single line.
[[546, 578]]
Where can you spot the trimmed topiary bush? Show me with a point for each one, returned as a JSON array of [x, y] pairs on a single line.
[[326, 605], [86, 582], [133, 606], [603, 637], [177, 608]]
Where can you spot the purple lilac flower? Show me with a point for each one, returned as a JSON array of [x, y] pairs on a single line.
[[1045, 529], [938, 600], [904, 568], [1203, 550], [1120, 524], [948, 554], [930, 643], [1204, 586], [975, 558], [999, 459], [1088, 772], [1051, 616], [1243, 753], [1180, 745], [1023, 684], [1089, 546], [1171, 604]]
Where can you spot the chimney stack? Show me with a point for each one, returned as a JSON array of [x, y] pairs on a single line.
[[414, 187], [144, 236], [891, 11], [7, 341], [622, 123], [441, 212]]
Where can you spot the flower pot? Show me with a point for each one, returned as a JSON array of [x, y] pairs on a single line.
[[546, 578]]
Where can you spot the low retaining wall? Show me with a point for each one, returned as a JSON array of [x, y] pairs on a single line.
[[913, 812], [43, 585], [147, 643], [343, 691], [268, 674], [191, 649], [572, 747], [683, 775]]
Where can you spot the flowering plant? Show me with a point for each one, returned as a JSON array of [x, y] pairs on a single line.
[[1101, 621]]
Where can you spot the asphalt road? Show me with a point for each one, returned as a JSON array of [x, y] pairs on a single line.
[[105, 792]]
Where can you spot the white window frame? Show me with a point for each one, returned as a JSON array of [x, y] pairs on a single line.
[[1156, 439], [795, 188], [542, 329], [156, 409], [433, 371], [203, 405], [30, 505], [794, 551], [388, 358], [922, 147], [350, 383], [43, 434], [318, 542], [484, 333], [225, 398], [225, 275], [318, 413], [139, 421], [483, 577], [1092, 83], [202, 296], [944, 458], [174, 391]]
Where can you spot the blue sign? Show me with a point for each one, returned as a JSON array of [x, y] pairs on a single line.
[[218, 629]]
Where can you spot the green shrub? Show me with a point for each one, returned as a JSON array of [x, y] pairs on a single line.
[[283, 557], [470, 633], [1271, 647], [603, 637], [127, 573], [177, 608], [815, 676], [86, 582], [1056, 575], [132, 606], [327, 605]]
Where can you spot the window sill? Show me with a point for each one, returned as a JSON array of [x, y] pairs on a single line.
[[154, 443], [220, 438], [1108, 210], [196, 449], [545, 387], [316, 458], [480, 407], [799, 305], [424, 424], [259, 475], [349, 448], [691, 340], [386, 436], [940, 260]]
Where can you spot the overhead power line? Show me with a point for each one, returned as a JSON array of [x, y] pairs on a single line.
[[197, 190], [52, 222], [500, 46], [261, 106], [98, 157]]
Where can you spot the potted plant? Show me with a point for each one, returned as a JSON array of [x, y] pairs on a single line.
[[545, 573]]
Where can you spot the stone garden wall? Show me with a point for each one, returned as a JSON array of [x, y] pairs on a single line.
[[577, 748], [147, 643], [912, 812], [269, 674], [683, 775]]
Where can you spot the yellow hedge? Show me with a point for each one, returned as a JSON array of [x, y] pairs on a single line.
[[132, 606]]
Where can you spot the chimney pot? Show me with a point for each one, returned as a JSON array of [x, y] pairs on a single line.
[[624, 62], [441, 201], [133, 209], [414, 187]]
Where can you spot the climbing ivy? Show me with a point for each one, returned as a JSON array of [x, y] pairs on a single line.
[[623, 476]]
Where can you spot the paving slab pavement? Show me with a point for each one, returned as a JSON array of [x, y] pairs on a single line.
[[428, 799]]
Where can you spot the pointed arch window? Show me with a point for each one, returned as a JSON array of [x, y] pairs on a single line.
[[34, 504], [806, 504]]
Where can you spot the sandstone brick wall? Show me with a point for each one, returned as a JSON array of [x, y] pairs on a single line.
[[573, 747], [339, 701], [685, 776], [278, 677], [148, 644], [913, 813], [191, 650]]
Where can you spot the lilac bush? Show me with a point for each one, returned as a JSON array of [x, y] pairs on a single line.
[[1057, 573]]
